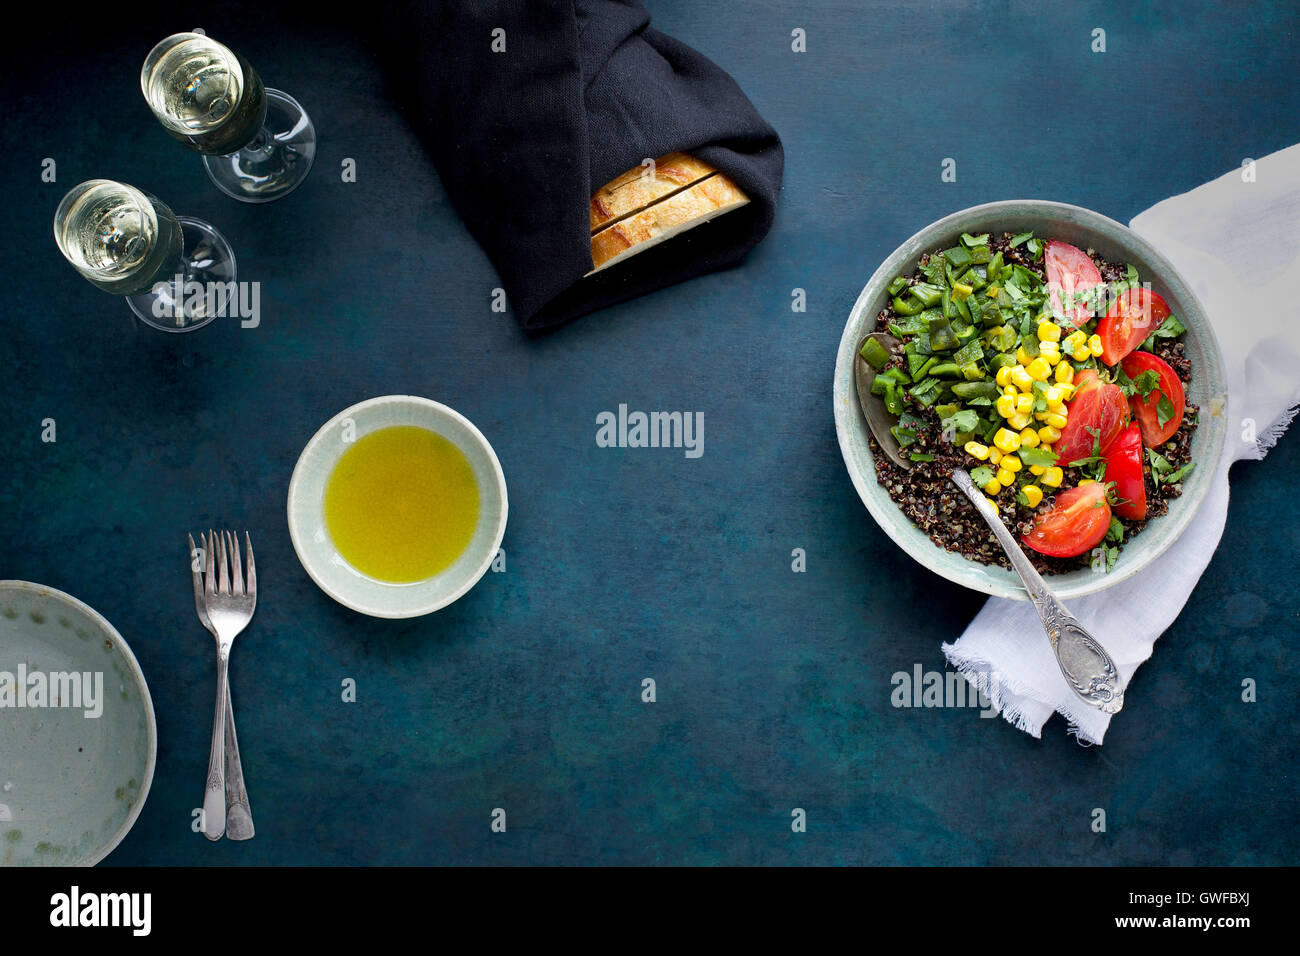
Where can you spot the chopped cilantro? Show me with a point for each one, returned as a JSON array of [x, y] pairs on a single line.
[[1145, 382], [1164, 409], [1031, 457], [965, 420], [1170, 328]]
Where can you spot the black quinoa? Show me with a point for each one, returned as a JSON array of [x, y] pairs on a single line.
[[927, 495]]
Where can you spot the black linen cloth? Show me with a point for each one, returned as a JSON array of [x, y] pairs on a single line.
[[583, 91]]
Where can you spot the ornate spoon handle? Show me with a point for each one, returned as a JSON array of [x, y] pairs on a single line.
[[1087, 667]]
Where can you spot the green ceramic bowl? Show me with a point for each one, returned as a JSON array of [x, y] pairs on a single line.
[[72, 778], [1114, 241]]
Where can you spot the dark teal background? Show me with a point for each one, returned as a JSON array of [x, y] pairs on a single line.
[[773, 687]]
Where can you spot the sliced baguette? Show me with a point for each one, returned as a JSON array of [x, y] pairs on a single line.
[[694, 206], [635, 189]]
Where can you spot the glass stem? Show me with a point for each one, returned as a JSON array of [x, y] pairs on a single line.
[[261, 143]]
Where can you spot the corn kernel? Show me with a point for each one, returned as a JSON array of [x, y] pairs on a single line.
[[1081, 354], [1047, 434], [992, 502], [1011, 463], [1047, 348], [1053, 395], [1020, 378], [1033, 494], [1024, 404], [1006, 406], [1051, 358], [1075, 339], [1095, 346], [1053, 477], [1088, 481], [1064, 373], [1007, 441], [976, 450], [1006, 477], [1023, 357], [1029, 438], [1019, 421], [995, 455], [1039, 370], [1049, 332], [992, 488], [1055, 419], [1003, 378], [1037, 469]]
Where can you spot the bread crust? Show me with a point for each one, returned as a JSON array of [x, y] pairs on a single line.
[[681, 211], [634, 190]]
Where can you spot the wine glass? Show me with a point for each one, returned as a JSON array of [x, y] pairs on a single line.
[[127, 242], [257, 143]]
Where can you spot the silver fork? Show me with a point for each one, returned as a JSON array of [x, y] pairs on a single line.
[[230, 603], [239, 815]]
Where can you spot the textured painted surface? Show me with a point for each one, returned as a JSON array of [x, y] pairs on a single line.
[[773, 687]]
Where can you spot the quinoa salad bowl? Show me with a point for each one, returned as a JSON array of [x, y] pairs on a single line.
[[1061, 360]]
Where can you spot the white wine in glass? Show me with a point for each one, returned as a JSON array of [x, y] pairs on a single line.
[[257, 144], [128, 243]]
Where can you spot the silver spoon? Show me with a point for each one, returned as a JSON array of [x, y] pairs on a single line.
[[1088, 669]]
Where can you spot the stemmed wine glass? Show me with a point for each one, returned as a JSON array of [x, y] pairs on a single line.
[[127, 242], [257, 143]]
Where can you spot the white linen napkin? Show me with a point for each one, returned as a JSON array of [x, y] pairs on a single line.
[[1236, 240]]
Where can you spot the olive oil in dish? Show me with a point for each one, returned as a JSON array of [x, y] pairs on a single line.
[[401, 504]]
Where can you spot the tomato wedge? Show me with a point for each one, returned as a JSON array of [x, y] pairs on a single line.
[[1085, 379], [1147, 410], [1131, 318], [1070, 275], [1097, 406], [1075, 523], [1124, 467]]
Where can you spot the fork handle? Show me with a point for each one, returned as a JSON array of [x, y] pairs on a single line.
[[214, 793], [239, 815]]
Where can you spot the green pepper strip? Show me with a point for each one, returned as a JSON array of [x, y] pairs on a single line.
[[928, 294], [877, 355], [892, 402], [970, 390], [904, 307], [995, 266]]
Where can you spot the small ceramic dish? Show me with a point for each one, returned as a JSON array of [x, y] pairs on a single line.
[[1114, 242], [76, 752], [311, 539]]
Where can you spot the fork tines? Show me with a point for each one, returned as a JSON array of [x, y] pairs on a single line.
[[224, 568]]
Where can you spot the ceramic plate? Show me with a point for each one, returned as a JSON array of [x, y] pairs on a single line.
[[1113, 241], [76, 761]]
